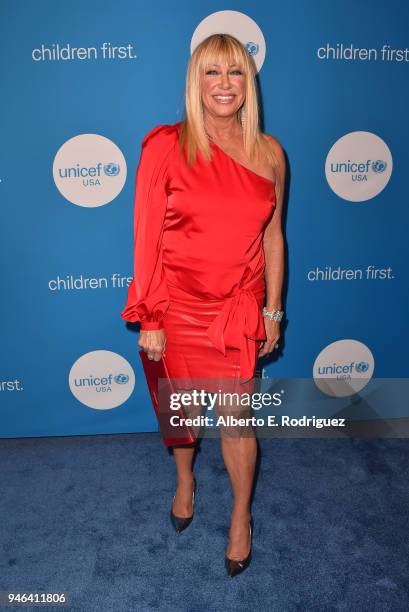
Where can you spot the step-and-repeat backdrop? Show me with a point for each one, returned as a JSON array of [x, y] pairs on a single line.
[[81, 85]]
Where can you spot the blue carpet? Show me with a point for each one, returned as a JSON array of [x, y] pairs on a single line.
[[89, 516]]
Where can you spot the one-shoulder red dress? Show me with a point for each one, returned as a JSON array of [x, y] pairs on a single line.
[[198, 257]]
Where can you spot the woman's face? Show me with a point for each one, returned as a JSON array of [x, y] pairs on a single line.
[[223, 89]]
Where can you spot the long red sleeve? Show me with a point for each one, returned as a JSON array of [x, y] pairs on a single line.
[[148, 299]]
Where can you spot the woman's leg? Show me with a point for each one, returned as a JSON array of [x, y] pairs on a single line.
[[239, 450], [239, 454], [182, 505]]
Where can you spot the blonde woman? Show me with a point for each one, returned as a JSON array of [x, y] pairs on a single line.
[[209, 256]]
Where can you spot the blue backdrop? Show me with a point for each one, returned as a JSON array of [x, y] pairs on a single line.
[[333, 78]]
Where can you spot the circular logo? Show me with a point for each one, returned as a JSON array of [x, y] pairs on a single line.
[[358, 166], [343, 368], [89, 170], [237, 24], [101, 380]]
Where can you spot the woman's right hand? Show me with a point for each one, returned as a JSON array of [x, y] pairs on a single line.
[[153, 342]]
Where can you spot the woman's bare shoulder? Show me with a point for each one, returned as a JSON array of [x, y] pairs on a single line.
[[277, 150], [274, 142]]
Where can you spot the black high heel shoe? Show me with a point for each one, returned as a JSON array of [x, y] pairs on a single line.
[[234, 567], [181, 522]]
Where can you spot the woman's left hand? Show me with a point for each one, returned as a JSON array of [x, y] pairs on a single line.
[[273, 334]]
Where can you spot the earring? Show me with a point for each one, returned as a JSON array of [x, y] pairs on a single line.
[[242, 116], [202, 118]]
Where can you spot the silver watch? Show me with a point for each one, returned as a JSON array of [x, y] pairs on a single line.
[[274, 315]]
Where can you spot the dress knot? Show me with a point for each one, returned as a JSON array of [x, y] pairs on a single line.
[[240, 325]]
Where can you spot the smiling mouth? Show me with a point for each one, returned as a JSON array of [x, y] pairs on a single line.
[[224, 99]]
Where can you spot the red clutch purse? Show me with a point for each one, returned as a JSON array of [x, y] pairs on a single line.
[[160, 391]]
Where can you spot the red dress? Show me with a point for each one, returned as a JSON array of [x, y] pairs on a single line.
[[198, 257]]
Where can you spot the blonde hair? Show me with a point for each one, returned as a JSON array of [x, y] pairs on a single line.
[[193, 136]]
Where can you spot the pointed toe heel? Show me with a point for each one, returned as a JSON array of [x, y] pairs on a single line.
[[235, 567], [180, 522]]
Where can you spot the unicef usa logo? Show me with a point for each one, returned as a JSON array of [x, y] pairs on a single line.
[[245, 29], [359, 170], [101, 380], [89, 170], [358, 166], [343, 368], [90, 176]]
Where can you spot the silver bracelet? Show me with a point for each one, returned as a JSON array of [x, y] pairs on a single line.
[[274, 315]]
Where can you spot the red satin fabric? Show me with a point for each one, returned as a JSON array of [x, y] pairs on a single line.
[[198, 257]]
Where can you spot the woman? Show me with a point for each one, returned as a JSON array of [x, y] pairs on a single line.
[[208, 254]]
